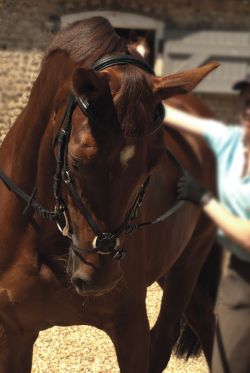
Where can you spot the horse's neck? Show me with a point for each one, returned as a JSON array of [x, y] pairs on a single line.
[[20, 150], [26, 155]]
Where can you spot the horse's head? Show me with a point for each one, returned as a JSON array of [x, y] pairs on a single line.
[[141, 43], [108, 143]]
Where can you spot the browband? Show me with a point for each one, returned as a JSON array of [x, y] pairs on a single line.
[[124, 59]]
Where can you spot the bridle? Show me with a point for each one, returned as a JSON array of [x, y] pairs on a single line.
[[103, 243]]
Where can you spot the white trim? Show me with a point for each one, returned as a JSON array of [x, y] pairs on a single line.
[[117, 19]]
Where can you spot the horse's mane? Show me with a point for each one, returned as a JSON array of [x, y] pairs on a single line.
[[80, 43], [87, 40], [83, 43]]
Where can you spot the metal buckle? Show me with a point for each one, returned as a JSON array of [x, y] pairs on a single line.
[[66, 177], [120, 254], [130, 229]]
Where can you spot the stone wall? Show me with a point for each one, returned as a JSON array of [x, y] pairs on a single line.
[[26, 27], [18, 71], [27, 23]]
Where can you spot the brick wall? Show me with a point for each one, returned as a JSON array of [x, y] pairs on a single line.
[[27, 25]]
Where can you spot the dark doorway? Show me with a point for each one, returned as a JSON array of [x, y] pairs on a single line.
[[135, 34]]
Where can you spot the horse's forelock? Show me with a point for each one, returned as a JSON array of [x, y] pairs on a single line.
[[134, 86]]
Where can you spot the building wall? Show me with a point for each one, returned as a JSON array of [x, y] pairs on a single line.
[[26, 23], [26, 27]]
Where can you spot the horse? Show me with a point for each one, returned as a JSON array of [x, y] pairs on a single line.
[[88, 172], [141, 43]]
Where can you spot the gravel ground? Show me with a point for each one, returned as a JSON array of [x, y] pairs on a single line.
[[84, 349]]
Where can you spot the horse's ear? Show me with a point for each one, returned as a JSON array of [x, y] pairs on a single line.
[[181, 83], [86, 82]]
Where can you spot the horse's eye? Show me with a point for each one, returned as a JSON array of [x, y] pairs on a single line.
[[159, 113]]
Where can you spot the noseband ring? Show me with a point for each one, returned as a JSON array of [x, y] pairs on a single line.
[[66, 229]]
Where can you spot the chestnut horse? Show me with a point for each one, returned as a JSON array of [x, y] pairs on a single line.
[[84, 152]]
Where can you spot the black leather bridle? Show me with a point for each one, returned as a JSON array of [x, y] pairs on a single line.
[[104, 243]]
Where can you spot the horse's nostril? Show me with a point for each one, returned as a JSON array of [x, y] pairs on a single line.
[[78, 282]]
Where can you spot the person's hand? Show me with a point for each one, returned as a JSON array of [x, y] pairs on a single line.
[[191, 190]]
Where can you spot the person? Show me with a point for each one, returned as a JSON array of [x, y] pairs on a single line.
[[231, 214]]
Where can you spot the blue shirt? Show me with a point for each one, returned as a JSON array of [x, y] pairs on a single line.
[[234, 191]]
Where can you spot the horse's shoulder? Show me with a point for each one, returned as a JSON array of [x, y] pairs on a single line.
[[191, 104], [193, 152]]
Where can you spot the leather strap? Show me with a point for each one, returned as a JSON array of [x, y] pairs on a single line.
[[125, 59], [134, 227], [29, 199]]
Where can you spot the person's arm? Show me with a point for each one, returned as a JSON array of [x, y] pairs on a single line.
[[234, 227], [181, 120], [214, 132]]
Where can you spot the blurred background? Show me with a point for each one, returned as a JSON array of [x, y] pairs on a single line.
[[180, 34]]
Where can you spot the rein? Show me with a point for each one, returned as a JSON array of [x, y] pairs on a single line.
[[31, 202], [103, 243]]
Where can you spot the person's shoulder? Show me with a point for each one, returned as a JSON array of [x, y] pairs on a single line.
[[216, 127], [234, 129], [219, 135]]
